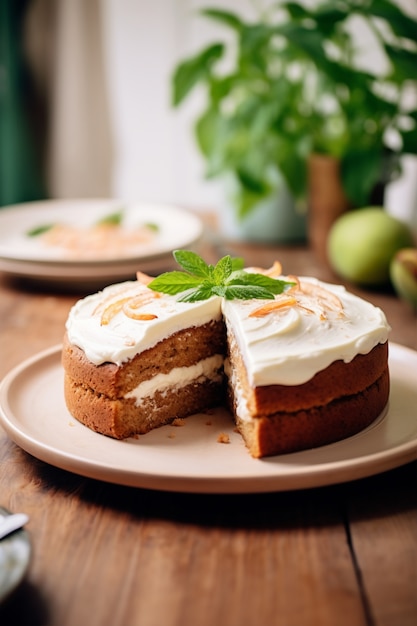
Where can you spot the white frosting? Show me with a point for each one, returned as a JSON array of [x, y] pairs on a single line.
[[123, 337], [178, 377], [288, 346]]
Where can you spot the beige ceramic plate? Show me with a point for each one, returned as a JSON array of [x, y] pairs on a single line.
[[189, 458]]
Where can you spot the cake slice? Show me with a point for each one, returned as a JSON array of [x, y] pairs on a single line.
[[306, 369], [135, 360]]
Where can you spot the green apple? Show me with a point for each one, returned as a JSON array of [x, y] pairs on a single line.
[[403, 272], [362, 243]]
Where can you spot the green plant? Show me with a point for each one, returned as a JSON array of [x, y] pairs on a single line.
[[288, 85]]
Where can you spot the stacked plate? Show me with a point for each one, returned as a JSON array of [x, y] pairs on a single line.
[[24, 254]]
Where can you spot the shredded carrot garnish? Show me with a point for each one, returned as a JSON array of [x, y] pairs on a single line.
[[129, 305], [274, 271], [130, 308], [145, 279], [276, 305], [305, 308], [144, 298], [141, 316], [330, 299], [296, 280], [112, 310]]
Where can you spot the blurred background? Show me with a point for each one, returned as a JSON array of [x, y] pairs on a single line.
[[86, 101]]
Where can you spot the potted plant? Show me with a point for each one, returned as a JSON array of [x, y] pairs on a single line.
[[288, 86]]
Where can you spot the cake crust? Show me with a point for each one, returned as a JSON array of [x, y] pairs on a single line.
[[285, 432], [121, 418]]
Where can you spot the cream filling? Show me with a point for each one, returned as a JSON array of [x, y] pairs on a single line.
[[208, 369]]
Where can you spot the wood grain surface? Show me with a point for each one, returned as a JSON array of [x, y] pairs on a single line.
[[107, 555]]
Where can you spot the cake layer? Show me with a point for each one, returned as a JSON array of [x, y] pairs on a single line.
[[123, 417], [286, 432], [182, 349], [337, 380]]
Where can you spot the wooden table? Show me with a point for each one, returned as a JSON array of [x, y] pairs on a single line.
[[111, 555]]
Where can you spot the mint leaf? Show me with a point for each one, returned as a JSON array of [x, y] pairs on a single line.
[[174, 282], [274, 285], [237, 263], [247, 292], [202, 293], [222, 270], [192, 263]]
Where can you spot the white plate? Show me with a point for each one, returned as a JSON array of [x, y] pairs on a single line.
[[15, 555], [25, 256], [189, 458]]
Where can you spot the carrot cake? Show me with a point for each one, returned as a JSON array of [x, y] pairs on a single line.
[[304, 367]]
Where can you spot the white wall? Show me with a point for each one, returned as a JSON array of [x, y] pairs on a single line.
[[155, 155]]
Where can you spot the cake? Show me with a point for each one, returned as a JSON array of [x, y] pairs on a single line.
[[304, 367]]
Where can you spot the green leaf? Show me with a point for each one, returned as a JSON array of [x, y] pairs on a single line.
[[247, 292], [225, 17], [191, 71], [237, 263], [193, 263], [152, 226], [209, 130], [409, 139], [404, 62], [250, 183], [39, 230], [360, 171], [114, 219], [174, 282], [222, 270], [401, 24], [202, 293], [273, 285], [296, 11]]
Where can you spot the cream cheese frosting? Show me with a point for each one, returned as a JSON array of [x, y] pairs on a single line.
[[283, 341], [102, 324], [290, 344]]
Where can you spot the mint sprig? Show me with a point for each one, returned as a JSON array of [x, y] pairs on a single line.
[[228, 279]]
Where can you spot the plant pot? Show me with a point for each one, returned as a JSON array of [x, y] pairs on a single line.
[[326, 200], [274, 220]]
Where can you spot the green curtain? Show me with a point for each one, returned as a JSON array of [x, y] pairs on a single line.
[[21, 127]]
